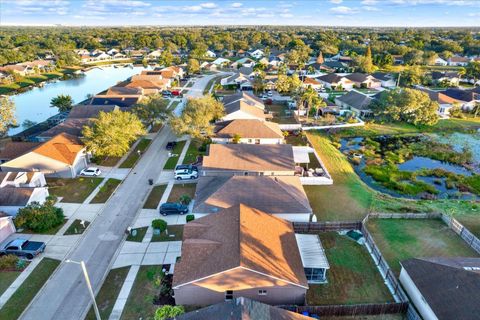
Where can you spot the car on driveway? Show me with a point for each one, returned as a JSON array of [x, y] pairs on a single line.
[[185, 175], [91, 172], [23, 248], [173, 208], [171, 145], [185, 167]]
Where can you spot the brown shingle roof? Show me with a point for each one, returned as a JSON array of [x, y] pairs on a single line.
[[72, 127], [245, 96], [89, 111], [123, 90], [63, 148], [249, 128], [12, 196], [241, 105], [239, 237], [249, 157], [16, 149]]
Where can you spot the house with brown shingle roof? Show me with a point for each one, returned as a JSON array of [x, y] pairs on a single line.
[[249, 131], [241, 109], [239, 252], [62, 156]]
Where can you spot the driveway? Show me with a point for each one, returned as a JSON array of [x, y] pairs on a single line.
[[65, 295]]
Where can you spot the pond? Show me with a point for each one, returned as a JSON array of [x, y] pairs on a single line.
[[34, 105]]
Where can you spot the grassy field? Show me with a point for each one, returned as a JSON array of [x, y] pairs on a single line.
[[154, 197], [352, 277], [140, 235], [106, 161], [279, 114], [176, 230], [76, 227], [180, 189], [193, 151], [108, 294], [27, 291], [133, 157], [106, 191], [404, 239], [6, 279], [172, 161], [72, 190]]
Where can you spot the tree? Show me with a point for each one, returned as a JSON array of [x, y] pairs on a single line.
[[473, 70], [63, 102], [411, 76], [193, 66], [236, 138], [413, 57], [476, 109], [409, 105], [152, 110], [166, 58], [320, 59], [168, 312], [40, 217], [7, 115], [309, 99], [258, 84], [283, 83], [112, 133], [197, 117]]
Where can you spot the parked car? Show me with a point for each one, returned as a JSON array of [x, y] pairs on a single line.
[[171, 145], [23, 248], [176, 93], [166, 93], [185, 167], [185, 175], [270, 93], [173, 208], [91, 172]]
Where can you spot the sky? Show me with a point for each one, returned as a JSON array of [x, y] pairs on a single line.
[[402, 13]]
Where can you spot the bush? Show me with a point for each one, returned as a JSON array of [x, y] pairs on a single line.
[[159, 224], [185, 199], [167, 312], [8, 262], [190, 217], [40, 217]]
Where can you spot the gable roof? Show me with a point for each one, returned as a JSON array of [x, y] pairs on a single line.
[[359, 77], [438, 96], [356, 100], [17, 148], [450, 290], [121, 101], [63, 148], [249, 157], [274, 195], [241, 105], [436, 75], [72, 127], [462, 95], [382, 76], [331, 78], [311, 81], [239, 236], [123, 90], [89, 111], [245, 96], [12, 196], [245, 70], [249, 128]]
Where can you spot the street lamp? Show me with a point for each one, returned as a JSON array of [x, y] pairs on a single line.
[[89, 285]]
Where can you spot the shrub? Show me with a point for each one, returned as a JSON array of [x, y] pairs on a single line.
[[190, 217], [167, 312], [8, 262], [159, 224], [40, 217], [185, 199]]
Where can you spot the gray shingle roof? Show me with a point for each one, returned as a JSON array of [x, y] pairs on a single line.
[[356, 100]]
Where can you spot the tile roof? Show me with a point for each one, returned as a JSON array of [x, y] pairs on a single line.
[[249, 157], [274, 195], [249, 128], [239, 236]]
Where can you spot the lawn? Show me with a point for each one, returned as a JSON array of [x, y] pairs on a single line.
[[140, 300], [180, 189], [139, 236], [133, 157], [400, 239], [193, 151], [106, 161], [172, 161], [176, 230], [6, 279], [76, 227], [154, 197], [106, 191], [27, 291], [109, 292], [348, 198], [296, 140], [352, 277], [279, 114], [72, 190]]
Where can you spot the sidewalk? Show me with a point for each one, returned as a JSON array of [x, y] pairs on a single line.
[[18, 282]]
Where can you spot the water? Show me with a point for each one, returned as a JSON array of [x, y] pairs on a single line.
[[34, 104], [418, 163]]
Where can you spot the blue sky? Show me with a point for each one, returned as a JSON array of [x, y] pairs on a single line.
[[408, 13]]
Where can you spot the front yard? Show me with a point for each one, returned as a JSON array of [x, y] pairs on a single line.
[[181, 189], [154, 197], [195, 149], [401, 239], [106, 191], [6, 279], [353, 277], [77, 227], [173, 160], [173, 233], [72, 190], [133, 157]]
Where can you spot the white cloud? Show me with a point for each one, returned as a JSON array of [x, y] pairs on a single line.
[[192, 8], [369, 2], [265, 15], [474, 14], [208, 5], [237, 4], [286, 15], [343, 10], [370, 8], [336, 1]]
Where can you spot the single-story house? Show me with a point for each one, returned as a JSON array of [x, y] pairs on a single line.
[[257, 54], [248, 131], [62, 156], [22, 179], [154, 54], [124, 91], [335, 82], [224, 257], [22, 70], [386, 79], [221, 61], [149, 86], [312, 83], [235, 80], [73, 127], [465, 98], [458, 61], [249, 159], [445, 102], [440, 62], [451, 77], [336, 66], [362, 80], [355, 101], [7, 227], [443, 288], [245, 62], [12, 199], [282, 196], [243, 96], [241, 109], [210, 54], [124, 102]]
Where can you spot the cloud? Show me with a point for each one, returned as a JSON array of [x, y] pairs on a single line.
[[369, 2], [192, 8], [237, 4], [343, 10], [370, 8], [336, 1], [208, 5], [286, 15]]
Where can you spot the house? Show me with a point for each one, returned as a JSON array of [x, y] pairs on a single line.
[[241, 309], [241, 109], [337, 66], [466, 99], [221, 62], [355, 101], [458, 61], [312, 83], [445, 102], [22, 179], [249, 159], [335, 82], [248, 131], [247, 72], [122, 101], [88, 111], [118, 55], [257, 54], [112, 51], [440, 62], [244, 96], [62, 156], [246, 62], [362, 80], [281, 196], [149, 87], [451, 78], [22, 70], [387, 80], [100, 56], [7, 227], [443, 288], [41, 65], [154, 54], [124, 91], [172, 72], [224, 257], [210, 54], [237, 80]]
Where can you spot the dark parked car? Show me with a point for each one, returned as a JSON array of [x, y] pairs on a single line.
[[173, 208], [23, 248], [171, 145]]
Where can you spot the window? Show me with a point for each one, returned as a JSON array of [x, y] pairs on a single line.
[[228, 295], [245, 173], [249, 140], [257, 141], [262, 292], [315, 275]]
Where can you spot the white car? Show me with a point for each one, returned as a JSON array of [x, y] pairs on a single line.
[[270, 93], [186, 175], [91, 172]]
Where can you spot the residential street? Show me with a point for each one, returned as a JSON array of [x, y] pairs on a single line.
[[65, 295]]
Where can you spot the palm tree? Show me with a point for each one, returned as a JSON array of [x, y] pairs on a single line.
[[63, 102], [308, 99]]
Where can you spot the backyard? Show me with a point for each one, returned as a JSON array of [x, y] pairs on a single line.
[[72, 190], [281, 114], [400, 239], [352, 277]]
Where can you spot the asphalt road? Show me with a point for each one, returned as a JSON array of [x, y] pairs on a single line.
[[65, 295]]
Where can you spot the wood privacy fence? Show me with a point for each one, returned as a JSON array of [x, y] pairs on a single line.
[[316, 227], [351, 310]]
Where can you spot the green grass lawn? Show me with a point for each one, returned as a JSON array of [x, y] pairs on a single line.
[[108, 294], [6, 279], [154, 197], [76, 227], [400, 239], [352, 277], [193, 151], [106, 161], [72, 190], [176, 230], [53, 230], [180, 189], [139, 236], [27, 291], [279, 114], [106, 191], [133, 157], [172, 161]]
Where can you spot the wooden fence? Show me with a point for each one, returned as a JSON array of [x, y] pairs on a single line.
[[351, 310], [316, 227]]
